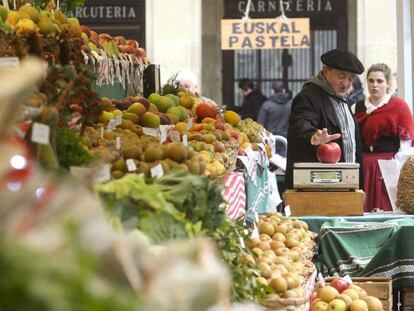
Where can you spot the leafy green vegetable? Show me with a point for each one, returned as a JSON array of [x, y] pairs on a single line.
[[197, 196], [32, 280], [70, 148], [139, 205], [245, 287]]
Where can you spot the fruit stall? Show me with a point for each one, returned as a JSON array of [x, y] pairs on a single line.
[[157, 203]]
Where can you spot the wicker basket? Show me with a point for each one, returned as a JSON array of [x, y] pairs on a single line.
[[275, 303], [286, 304]]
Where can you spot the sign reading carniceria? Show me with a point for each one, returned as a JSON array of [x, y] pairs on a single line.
[[270, 33]]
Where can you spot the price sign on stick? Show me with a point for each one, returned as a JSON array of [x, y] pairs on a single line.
[[40, 133], [131, 166]]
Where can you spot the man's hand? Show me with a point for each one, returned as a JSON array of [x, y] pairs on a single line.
[[322, 137]]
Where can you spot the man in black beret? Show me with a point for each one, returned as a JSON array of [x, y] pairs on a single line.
[[320, 113]]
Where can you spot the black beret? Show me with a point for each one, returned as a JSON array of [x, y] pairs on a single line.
[[342, 60]]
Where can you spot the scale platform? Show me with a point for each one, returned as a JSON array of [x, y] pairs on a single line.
[[315, 176]]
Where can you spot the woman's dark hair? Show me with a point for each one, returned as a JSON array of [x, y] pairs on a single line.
[[245, 84]]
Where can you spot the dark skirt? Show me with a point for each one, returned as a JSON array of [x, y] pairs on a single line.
[[374, 186]]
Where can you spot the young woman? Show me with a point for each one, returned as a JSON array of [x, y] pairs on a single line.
[[387, 126]]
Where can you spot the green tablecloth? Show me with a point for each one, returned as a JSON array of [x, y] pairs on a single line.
[[376, 249], [257, 194], [115, 91], [315, 222]]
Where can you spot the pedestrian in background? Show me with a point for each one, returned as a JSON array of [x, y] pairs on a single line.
[[252, 99], [356, 93], [274, 113]]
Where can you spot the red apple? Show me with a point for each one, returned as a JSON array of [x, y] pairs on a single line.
[[328, 153], [205, 110], [340, 285]]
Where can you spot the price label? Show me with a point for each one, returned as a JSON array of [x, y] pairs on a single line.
[[174, 136], [163, 133], [102, 132], [321, 279], [254, 155], [103, 174], [150, 131], [40, 133], [255, 232], [118, 143], [256, 216], [190, 123], [157, 171], [131, 166], [185, 139], [242, 242], [111, 125], [288, 212], [9, 63], [118, 120], [347, 279]]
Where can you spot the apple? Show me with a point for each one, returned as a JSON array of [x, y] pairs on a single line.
[[340, 285], [328, 153]]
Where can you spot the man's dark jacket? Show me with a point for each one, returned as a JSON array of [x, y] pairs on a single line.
[[251, 104], [312, 110]]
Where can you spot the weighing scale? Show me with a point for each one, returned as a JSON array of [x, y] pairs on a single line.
[[316, 176]]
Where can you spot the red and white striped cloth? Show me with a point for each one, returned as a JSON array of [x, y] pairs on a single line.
[[235, 195]]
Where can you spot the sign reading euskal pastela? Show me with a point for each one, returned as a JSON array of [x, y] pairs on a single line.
[[118, 18], [270, 33]]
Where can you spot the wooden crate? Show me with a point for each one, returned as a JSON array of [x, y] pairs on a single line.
[[375, 286], [327, 203], [408, 297]]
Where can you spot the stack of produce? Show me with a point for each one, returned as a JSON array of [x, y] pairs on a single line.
[[339, 295], [283, 252]]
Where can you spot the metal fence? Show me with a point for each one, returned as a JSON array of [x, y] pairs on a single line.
[[265, 66]]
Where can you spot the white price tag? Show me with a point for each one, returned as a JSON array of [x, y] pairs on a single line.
[[185, 139], [118, 120], [255, 232], [321, 279], [288, 212], [9, 63], [163, 133], [256, 216], [131, 165], [102, 132], [242, 243], [111, 125], [157, 171], [347, 279], [40, 133], [174, 136], [118, 143], [103, 174], [254, 155], [189, 123], [150, 131]]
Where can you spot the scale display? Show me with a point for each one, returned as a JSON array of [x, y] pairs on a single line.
[[326, 177]]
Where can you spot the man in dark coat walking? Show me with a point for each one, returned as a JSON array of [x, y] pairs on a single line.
[[252, 99], [320, 114]]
